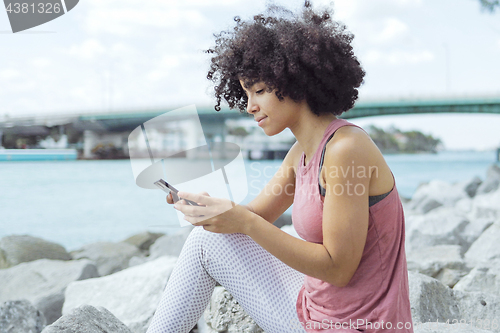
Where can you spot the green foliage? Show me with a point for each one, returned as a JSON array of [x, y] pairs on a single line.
[[238, 131], [396, 141], [490, 5]]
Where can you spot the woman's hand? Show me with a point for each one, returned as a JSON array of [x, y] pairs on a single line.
[[214, 214]]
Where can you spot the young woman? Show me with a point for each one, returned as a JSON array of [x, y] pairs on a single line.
[[349, 273]]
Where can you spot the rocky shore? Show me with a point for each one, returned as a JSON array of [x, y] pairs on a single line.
[[452, 244]]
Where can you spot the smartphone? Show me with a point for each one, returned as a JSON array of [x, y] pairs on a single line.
[[170, 189]]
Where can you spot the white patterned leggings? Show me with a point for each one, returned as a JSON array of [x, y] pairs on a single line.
[[263, 285]]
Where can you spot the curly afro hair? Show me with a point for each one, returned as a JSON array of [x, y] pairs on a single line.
[[305, 57]]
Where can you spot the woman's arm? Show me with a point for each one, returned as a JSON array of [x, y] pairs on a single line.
[[277, 196], [345, 217]]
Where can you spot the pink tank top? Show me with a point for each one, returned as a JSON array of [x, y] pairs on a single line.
[[377, 297]]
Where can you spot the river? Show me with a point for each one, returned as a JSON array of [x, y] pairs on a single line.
[[79, 202]]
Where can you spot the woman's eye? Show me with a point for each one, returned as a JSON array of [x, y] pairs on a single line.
[[259, 91]]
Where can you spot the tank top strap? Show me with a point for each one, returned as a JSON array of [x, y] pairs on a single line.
[[329, 133], [322, 190], [372, 199]]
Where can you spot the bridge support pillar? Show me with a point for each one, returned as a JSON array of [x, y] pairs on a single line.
[[498, 154], [89, 141]]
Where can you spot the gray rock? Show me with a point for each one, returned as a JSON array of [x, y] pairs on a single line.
[[443, 262], [486, 206], [492, 180], [20, 317], [428, 204], [42, 282], [451, 328], [464, 205], [88, 319], [485, 277], [434, 194], [224, 314], [449, 276], [16, 249], [478, 308], [486, 247], [285, 219], [169, 245], [472, 186], [109, 257], [442, 226], [431, 300], [143, 240], [132, 295]]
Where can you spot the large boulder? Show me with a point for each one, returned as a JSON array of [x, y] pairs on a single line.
[[43, 282], [442, 262], [224, 314], [16, 249], [285, 219], [442, 226], [143, 240], [169, 245], [472, 185], [434, 194], [20, 317], [492, 180], [485, 277], [486, 247], [486, 206], [132, 295], [431, 301], [479, 309], [88, 319], [109, 257]]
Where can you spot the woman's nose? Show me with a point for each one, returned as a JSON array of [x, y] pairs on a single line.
[[252, 107]]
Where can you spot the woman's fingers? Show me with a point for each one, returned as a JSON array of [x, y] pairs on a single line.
[[188, 210], [198, 198], [170, 199]]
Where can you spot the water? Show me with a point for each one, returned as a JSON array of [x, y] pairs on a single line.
[[79, 202]]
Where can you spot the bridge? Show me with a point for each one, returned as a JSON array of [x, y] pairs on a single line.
[[114, 127]]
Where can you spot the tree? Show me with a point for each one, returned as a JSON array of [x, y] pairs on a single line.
[[490, 5]]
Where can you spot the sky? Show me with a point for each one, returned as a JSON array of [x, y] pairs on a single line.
[[120, 55]]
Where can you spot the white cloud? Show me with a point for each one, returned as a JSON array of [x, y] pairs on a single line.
[[89, 49], [163, 69], [343, 9], [40, 62], [8, 74], [392, 29], [397, 57], [127, 18]]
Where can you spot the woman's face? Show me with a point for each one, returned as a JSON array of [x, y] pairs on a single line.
[[271, 114]]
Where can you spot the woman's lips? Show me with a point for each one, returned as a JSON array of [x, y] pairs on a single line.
[[262, 121]]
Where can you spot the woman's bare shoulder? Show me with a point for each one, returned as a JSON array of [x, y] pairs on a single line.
[[353, 139]]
